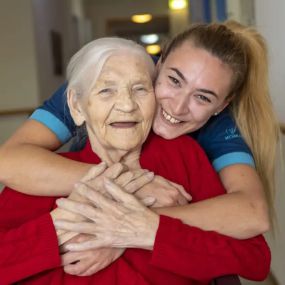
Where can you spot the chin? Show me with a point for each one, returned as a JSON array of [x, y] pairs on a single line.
[[165, 135], [126, 145]]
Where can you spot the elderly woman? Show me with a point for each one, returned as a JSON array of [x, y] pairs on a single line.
[[110, 91]]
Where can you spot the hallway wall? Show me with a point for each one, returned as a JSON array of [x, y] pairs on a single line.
[[270, 22]]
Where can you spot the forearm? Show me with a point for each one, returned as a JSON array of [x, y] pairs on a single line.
[[37, 171], [231, 214]]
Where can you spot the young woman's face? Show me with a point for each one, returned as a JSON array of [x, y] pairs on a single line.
[[192, 85]]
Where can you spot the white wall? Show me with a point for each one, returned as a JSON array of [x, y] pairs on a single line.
[[51, 15], [270, 22], [18, 72]]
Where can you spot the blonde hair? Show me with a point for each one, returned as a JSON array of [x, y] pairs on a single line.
[[244, 50]]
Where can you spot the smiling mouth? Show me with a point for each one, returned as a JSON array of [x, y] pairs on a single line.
[[123, 125], [169, 118]]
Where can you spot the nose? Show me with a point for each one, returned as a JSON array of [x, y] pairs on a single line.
[[180, 104], [126, 102]]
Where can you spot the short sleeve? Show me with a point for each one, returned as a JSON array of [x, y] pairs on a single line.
[[223, 143], [55, 115]]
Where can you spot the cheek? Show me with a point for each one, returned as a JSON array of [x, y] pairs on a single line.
[[200, 114], [161, 90]]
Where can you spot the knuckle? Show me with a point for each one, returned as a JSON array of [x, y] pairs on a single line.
[[168, 201]]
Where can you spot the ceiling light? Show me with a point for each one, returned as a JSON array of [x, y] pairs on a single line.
[[142, 18], [149, 39], [177, 4], [153, 49]]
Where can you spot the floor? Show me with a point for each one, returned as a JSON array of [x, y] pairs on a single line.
[[268, 281]]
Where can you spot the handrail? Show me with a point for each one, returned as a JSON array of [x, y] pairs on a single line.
[[13, 112]]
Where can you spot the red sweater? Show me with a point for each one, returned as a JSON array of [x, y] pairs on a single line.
[[181, 254]]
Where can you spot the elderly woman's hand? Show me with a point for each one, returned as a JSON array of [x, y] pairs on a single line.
[[122, 221], [165, 192], [130, 180]]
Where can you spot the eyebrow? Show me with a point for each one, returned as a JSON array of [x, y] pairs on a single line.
[[109, 82], [179, 73], [208, 92]]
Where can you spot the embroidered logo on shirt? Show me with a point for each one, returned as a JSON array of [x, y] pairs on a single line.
[[231, 133]]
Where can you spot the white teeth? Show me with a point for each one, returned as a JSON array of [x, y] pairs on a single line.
[[169, 118]]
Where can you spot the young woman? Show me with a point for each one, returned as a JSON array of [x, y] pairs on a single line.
[[212, 79]]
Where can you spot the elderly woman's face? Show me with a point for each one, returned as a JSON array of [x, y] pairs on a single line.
[[120, 108]]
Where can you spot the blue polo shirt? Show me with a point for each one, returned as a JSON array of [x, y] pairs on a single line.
[[220, 137]]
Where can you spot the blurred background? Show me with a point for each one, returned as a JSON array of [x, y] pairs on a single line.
[[38, 37]]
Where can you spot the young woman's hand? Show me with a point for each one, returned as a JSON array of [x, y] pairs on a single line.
[[165, 192], [88, 262]]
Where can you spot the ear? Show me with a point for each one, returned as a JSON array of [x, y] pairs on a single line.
[[75, 107], [223, 106]]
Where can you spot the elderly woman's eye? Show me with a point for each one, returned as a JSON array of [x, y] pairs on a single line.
[[140, 89], [105, 90]]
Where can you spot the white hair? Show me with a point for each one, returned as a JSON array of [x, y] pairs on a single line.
[[85, 66]]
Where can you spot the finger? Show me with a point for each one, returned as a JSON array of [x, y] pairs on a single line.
[[182, 200], [99, 200], [70, 257], [84, 228], [148, 201], [78, 268], [91, 244], [118, 193], [79, 208], [94, 171], [129, 176], [115, 170], [139, 182], [94, 268], [124, 178], [181, 190]]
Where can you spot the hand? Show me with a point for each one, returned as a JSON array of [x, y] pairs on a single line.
[[88, 262], [131, 180], [165, 192], [122, 222]]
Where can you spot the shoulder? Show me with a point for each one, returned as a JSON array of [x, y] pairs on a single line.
[[160, 146], [182, 152], [223, 142], [54, 114]]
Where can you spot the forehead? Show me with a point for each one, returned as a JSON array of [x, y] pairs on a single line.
[[198, 64], [125, 67]]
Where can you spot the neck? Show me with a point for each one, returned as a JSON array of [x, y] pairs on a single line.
[[111, 156]]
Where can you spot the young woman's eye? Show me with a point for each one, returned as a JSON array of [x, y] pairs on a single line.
[[174, 80], [204, 98]]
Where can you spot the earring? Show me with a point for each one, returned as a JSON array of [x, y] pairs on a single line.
[[217, 113]]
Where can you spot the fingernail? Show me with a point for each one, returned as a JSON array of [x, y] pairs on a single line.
[[150, 175], [59, 201]]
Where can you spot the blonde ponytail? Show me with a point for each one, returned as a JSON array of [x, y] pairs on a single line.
[[253, 110], [243, 49]]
